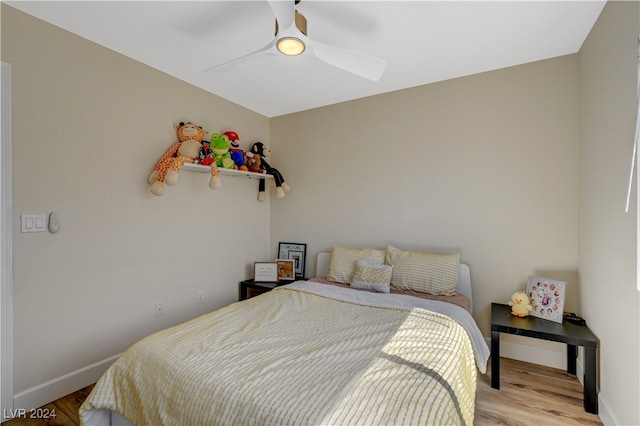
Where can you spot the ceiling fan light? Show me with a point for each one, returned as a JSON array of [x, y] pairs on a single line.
[[290, 46]]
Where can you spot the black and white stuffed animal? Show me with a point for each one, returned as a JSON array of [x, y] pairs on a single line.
[[281, 186]]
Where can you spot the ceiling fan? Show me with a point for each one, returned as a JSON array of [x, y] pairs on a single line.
[[291, 39]]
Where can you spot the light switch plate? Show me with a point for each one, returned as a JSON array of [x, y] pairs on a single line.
[[33, 223]]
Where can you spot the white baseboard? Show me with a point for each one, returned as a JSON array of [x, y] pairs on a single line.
[[61, 386], [606, 414], [555, 359]]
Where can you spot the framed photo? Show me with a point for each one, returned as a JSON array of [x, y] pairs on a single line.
[[265, 272], [546, 297], [297, 252], [286, 269]]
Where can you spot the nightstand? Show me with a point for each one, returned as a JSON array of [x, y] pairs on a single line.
[[573, 335], [249, 288]]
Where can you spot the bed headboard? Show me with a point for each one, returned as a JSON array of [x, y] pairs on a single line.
[[463, 286]]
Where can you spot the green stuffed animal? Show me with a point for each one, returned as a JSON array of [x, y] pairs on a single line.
[[220, 147]]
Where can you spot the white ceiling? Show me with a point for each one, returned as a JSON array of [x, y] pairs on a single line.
[[421, 41]]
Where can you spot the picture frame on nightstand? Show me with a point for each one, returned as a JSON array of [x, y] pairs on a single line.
[[297, 252], [265, 272], [546, 297], [286, 269]]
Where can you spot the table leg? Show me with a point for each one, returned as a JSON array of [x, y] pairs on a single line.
[[571, 358], [495, 359], [244, 290], [590, 372]]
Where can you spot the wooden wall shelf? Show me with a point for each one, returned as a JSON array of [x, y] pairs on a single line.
[[228, 172]]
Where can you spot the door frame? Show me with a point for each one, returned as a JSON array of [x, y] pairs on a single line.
[[6, 247]]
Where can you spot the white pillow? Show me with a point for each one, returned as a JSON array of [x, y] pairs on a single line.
[[343, 262], [372, 275]]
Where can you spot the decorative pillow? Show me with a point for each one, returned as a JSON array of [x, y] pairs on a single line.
[[343, 262], [372, 275], [424, 272]]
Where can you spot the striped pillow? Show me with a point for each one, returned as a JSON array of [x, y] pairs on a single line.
[[372, 275], [343, 262], [424, 272]]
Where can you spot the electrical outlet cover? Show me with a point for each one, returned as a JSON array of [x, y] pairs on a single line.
[[159, 309]]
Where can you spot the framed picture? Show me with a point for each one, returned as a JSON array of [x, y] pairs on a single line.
[[265, 272], [295, 251], [546, 297], [286, 269]]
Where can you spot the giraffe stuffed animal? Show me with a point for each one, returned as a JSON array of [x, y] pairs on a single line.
[[186, 150]]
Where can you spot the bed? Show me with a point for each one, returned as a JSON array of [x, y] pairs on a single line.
[[310, 352]]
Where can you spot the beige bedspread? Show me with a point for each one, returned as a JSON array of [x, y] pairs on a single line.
[[305, 353]]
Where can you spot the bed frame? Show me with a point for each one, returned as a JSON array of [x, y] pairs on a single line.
[[463, 286]]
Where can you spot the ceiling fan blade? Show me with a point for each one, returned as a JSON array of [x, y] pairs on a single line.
[[357, 63], [284, 10], [243, 60]]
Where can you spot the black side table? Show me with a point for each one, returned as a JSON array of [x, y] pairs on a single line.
[[249, 288], [573, 335]]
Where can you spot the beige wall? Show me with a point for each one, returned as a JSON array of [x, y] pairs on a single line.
[[88, 127], [607, 235], [485, 165]]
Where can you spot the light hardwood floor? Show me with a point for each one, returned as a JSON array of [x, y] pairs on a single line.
[[529, 395]]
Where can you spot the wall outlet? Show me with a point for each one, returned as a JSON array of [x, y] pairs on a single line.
[[199, 298], [159, 309]]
